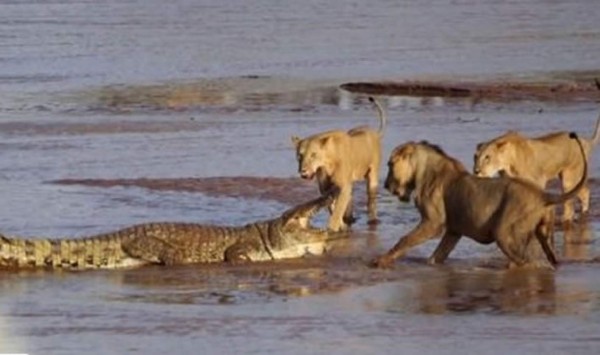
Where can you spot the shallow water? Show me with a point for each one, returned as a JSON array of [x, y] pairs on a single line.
[[186, 93], [69, 44]]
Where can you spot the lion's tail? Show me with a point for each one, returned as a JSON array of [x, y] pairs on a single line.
[[596, 137], [380, 113], [552, 199]]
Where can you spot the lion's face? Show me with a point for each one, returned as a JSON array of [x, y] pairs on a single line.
[[311, 155], [491, 159], [400, 180]]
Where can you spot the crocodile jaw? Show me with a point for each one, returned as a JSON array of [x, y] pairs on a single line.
[[294, 237], [300, 249], [289, 252], [300, 216]]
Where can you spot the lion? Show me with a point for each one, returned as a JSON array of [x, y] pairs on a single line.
[[509, 211], [538, 160], [338, 159]]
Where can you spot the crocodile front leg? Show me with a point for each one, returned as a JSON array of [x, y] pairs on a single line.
[[154, 250]]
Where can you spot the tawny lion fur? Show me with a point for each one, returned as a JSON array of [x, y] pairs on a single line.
[[505, 210], [338, 159], [538, 160]]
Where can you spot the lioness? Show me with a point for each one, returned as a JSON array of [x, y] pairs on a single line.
[[338, 158], [506, 210], [538, 160]]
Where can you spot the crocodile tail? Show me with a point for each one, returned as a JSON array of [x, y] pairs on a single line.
[[20, 253], [553, 199], [92, 252], [381, 114]]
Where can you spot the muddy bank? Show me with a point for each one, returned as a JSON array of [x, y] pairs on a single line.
[[284, 190], [559, 87]]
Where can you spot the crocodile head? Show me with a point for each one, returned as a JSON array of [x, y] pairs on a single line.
[[292, 236]]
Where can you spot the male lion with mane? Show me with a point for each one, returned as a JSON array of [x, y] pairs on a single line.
[[339, 158], [509, 211], [538, 160]]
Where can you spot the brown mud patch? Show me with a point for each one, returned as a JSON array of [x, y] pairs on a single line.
[[284, 190], [562, 87], [497, 92]]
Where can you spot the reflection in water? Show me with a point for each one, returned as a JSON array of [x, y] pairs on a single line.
[[234, 284], [421, 289], [577, 241], [523, 291], [227, 284], [412, 102]]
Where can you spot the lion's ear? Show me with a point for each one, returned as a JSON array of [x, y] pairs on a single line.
[[324, 141], [406, 151], [479, 146], [501, 145], [296, 141]]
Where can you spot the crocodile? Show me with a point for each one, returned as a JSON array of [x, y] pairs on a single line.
[[288, 236]]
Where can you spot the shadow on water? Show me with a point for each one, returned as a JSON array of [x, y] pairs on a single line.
[[226, 285]]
